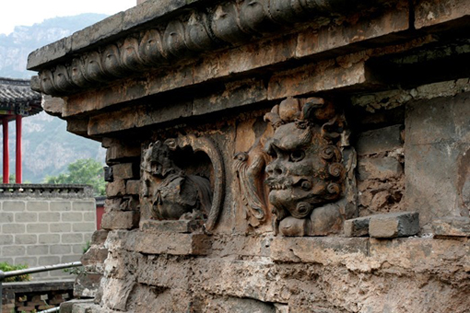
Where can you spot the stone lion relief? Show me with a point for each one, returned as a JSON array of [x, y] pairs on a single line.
[[306, 171], [174, 193]]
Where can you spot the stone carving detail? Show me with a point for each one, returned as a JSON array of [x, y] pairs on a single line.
[[249, 167], [306, 173], [227, 24], [174, 194]]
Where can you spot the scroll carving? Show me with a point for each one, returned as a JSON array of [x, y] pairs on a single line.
[[230, 23], [249, 167], [175, 194]]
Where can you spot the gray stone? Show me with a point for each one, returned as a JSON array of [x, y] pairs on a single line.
[[13, 251], [48, 260], [357, 227], [120, 220], [38, 250], [178, 226], [23, 217], [26, 239], [394, 225], [74, 217], [72, 238], [37, 206], [381, 168], [12, 206], [437, 164], [6, 239], [168, 243], [61, 206], [49, 238], [379, 140], [49, 217], [60, 227], [451, 227], [83, 206], [321, 250], [37, 228], [13, 228], [123, 171]]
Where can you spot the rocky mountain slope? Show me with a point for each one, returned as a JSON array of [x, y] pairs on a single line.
[[47, 147]]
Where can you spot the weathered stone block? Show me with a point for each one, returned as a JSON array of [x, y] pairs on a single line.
[[167, 243], [116, 188], [437, 163], [79, 306], [99, 237], [379, 140], [116, 153], [168, 226], [124, 171], [357, 227], [86, 285], [451, 227], [433, 12], [327, 250], [394, 225], [52, 105], [94, 255], [133, 187], [379, 168], [120, 220]]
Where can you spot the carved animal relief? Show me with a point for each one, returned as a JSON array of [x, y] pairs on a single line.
[[174, 193], [303, 161]]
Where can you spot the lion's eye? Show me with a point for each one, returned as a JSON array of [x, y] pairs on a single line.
[[296, 156]]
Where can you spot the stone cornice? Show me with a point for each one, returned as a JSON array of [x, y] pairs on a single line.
[[158, 33]]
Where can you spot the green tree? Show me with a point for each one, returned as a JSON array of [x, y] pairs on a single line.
[[84, 172]]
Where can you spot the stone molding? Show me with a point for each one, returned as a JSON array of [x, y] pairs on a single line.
[[45, 191], [186, 35]]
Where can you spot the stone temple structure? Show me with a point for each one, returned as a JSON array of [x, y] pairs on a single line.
[[273, 155]]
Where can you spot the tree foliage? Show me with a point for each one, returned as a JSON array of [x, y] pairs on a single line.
[[83, 172]]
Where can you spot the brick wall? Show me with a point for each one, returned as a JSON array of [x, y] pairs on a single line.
[[45, 225]]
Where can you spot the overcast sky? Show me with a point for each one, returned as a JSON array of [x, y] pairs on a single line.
[[28, 12]]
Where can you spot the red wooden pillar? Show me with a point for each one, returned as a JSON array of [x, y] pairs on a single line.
[[18, 169], [6, 164]]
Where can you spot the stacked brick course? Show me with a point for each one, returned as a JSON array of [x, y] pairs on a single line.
[[45, 225]]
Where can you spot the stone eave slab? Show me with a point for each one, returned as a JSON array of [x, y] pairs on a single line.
[[154, 36]]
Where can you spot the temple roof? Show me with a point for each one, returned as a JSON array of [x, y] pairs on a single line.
[[16, 97]]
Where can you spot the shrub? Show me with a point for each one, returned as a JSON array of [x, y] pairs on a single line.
[[6, 267]]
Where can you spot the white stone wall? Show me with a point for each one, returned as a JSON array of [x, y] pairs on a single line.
[[45, 230]]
